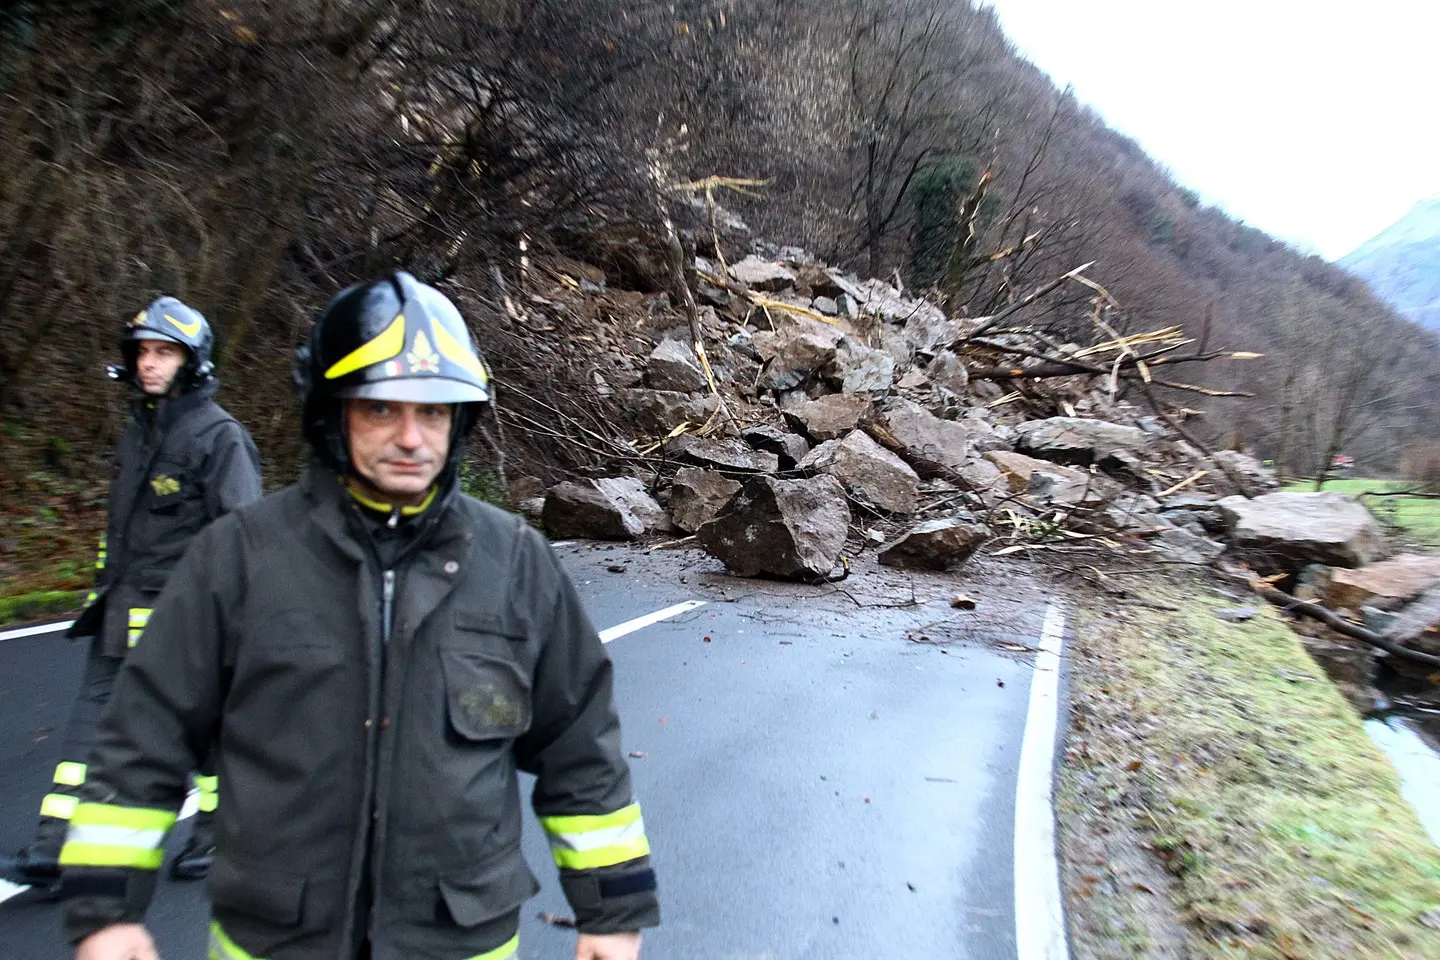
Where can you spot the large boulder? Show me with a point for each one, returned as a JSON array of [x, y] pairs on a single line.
[[870, 473], [758, 274], [1041, 480], [617, 509], [673, 366], [934, 545], [1017, 469], [784, 528], [697, 495], [1385, 585], [830, 417], [929, 444], [1076, 441], [788, 447], [1299, 528], [722, 454]]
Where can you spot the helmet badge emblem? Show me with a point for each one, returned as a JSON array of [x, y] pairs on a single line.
[[422, 356]]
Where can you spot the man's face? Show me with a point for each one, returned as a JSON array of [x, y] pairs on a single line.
[[398, 448], [156, 364]]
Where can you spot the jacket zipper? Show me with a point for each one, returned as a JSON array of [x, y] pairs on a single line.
[[387, 606]]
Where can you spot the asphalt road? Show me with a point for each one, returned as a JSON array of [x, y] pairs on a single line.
[[826, 772]]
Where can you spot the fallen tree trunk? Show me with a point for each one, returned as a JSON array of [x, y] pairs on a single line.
[[1339, 624]]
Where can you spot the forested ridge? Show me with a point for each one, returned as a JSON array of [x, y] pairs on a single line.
[[254, 157]]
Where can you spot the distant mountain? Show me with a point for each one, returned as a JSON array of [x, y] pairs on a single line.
[[1402, 263]]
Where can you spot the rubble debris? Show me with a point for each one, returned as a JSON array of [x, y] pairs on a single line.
[[934, 545], [1293, 529], [870, 473], [860, 370], [785, 528], [697, 495], [1255, 479], [1418, 626], [657, 412], [1076, 441]]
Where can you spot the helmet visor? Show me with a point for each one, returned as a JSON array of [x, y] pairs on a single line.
[[417, 390]]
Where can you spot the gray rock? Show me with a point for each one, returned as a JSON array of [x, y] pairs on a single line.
[[1183, 546], [758, 274], [586, 510], [1076, 441], [1255, 478], [789, 448], [830, 417], [1069, 489], [673, 366], [657, 412], [784, 528], [930, 445], [984, 479], [631, 495], [1378, 621], [723, 454], [696, 496], [1294, 529], [857, 368], [1418, 626], [1236, 614], [948, 374], [1136, 512], [796, 355], [532, 508], [827, 306], [934, 545], [869, 472]]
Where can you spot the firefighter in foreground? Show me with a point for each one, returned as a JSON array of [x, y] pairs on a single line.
[[181, 463], [374, 655]]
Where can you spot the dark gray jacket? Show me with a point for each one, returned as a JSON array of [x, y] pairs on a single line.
[[181, 463], [368, 727]]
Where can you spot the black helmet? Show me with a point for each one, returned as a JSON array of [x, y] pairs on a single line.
[[166, 318], [394, 339]]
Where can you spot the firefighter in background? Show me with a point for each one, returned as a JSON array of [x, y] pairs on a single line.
[[373, 656], [181, 463]]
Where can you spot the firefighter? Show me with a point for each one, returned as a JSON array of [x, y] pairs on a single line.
[[373, 657], [181, 463]]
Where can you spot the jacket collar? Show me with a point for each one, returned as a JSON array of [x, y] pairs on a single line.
[[338, 514], [166, 411]]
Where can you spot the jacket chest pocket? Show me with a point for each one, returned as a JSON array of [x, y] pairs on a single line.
[[487, 694], [169, 488]]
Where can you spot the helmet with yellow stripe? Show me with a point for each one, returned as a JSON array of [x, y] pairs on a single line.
[[167, 318], [395, 339]]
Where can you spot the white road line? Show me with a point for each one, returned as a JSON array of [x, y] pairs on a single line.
[[630, 626], [32, 631], [1039, 910]]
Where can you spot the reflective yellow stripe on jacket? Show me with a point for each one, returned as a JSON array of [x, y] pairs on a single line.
[[587, 842], [223, 948], [109, 835], [139, 617]]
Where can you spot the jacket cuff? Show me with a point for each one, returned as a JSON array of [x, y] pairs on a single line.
[[614, 899], [96, 899]]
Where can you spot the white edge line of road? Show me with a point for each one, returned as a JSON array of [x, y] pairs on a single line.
[[33, 631], [1039, 909], [630, 626]]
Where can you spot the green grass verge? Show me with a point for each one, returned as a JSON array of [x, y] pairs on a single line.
[[1418, 517], [38, 605], [1225, 749]]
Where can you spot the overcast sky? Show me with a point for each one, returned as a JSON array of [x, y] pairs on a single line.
[[1313, 120]]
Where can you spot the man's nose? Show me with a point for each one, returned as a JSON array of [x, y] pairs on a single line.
[[410, 437]]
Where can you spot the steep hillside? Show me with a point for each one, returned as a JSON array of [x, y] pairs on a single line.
[[1402, 263], [287, 150]]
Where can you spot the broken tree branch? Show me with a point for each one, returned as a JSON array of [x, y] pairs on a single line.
[[1339, 624]]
